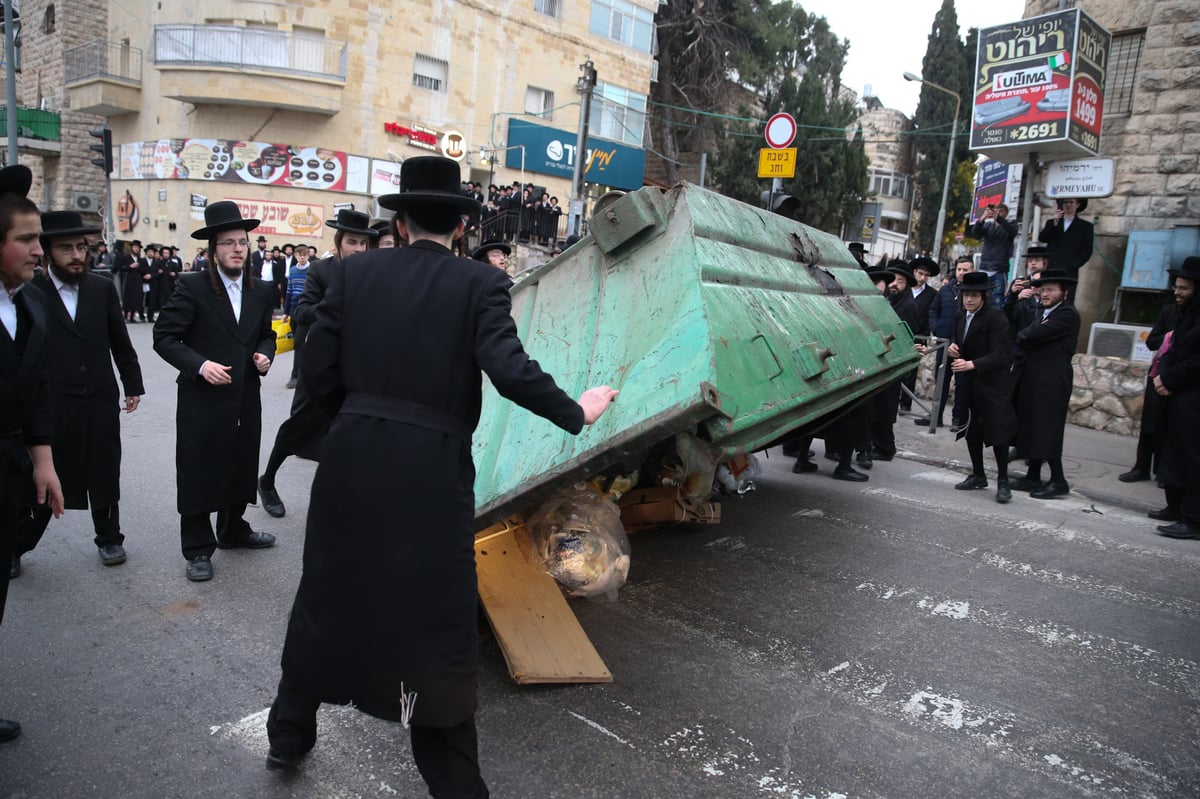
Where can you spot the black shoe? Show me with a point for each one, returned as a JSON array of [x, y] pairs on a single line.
[[1134, 476], [972, 482], [864, 460], [1051, 490], [1167, 514], [285, 764], [8, 730], [924, 422], [199, 569], [14, 570], [880, 455], [112, 554], [846, 473], [803, 466], [1179, 530], [1003, 492], [252, 540], [271, 502], [1025, 484]]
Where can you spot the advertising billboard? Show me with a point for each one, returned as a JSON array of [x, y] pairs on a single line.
[[552, 152], [1039, 87]]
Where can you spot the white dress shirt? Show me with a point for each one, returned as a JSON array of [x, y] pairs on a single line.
[[69, 292], [234, 289], [8, 311]]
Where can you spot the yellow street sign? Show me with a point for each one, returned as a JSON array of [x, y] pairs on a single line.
[[777, 163]]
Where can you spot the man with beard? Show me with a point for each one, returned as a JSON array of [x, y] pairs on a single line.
[[27, 473], [1022, 305], [982, 350], [216, 331], [301, 433], [403, 428], [1044, 380], [1178, 381], [85, 335], [998, 234]]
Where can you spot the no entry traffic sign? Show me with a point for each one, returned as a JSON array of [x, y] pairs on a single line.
[[781, 130]]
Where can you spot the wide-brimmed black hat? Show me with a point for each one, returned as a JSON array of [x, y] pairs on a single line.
[[901, 268], [1037, 252], [382, 226], [221, 216], [876, 274], [65, 223], [261, 238], [973, 281], [1081, 200], [1053, 276], [856, 246], [350, 221], [15, 179], [928, 264], [431, 181], [1190, 268], [481, 252]]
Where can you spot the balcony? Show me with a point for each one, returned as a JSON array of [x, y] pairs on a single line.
[[38, 132], [230, 65], [104, 78]]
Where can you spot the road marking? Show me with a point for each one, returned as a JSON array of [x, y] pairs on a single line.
[[601, 729]]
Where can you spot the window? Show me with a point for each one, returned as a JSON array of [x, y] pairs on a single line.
[[539, 102], [622, 21], [889, 184], [618, 114], [551, 8], [1123, 61], [430, 73]]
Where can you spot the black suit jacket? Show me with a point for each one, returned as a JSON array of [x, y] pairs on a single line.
[[24, 390], [988, 343], [1069, 249]]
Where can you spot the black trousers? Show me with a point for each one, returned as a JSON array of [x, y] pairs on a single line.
[[105, 521], [10, 515], [447, 757], [1187, 502], [197, 535]]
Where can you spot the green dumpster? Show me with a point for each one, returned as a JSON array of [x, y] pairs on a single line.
[[711, 316]]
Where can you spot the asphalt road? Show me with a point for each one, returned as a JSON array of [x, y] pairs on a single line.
[[891, 639]]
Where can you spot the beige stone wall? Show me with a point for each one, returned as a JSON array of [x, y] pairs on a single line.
[[494, 50]]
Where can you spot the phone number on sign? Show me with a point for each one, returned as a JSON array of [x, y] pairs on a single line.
[[1045, 130]]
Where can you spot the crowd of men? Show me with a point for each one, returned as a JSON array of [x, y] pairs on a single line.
[[512, 213]]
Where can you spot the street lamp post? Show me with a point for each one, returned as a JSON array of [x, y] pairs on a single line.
[[941, 223]]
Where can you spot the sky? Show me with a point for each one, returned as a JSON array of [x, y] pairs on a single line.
[[889, 39]]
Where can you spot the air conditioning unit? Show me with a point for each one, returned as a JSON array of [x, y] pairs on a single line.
[[86, 202], [1119, 341]]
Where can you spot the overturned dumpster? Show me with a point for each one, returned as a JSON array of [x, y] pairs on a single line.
[[712, 317]]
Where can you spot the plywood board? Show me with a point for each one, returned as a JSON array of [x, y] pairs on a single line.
[[540, 637]]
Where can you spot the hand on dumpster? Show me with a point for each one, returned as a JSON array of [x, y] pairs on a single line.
[[594, 401]]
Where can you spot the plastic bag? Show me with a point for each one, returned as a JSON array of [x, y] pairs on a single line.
[[577, 535]]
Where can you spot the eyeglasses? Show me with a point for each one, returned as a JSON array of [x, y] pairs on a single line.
[[70, 249], [241, 244]]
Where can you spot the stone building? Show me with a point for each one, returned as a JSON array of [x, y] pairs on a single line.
[[890, 154], [294, 109]]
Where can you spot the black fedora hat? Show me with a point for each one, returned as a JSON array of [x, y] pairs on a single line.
[[1190, 268], [901, 268], [221, 216], [856, 246], [16, 179], [430, 180], [1081, 200], [350, 221], [876, 274], [1053, 276], [65, 223], [382, 226], [974, 281], [928, 264], [1037, 252], [481, 252]]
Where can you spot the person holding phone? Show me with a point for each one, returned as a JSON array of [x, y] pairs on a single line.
[[1069, 240]]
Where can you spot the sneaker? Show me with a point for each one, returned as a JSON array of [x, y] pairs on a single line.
[[112, 554]]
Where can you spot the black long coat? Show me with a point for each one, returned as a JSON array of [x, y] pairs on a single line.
[[388, 591], [1179, 461], [989, 344], [133, 298], [217, 428], [885, 403], [25, 417], [922, 302], [1068, 249], [1044, 375], [83, 392]]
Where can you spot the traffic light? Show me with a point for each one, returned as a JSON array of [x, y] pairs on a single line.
[[105, 161], [780, 203]]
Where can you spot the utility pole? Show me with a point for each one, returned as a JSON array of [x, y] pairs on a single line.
[[585, 86], [10, 61]]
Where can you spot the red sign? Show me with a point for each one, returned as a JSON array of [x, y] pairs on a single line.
[[781, 131], [419, 137]]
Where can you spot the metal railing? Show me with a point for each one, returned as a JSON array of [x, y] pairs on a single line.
[[256, 49], [103, 59], [33, 123]]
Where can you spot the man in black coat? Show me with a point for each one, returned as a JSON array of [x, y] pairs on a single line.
[[1068, 238], [1178, 381], [135, 270], [922, 295], [27, 475], [1044, 379], [944, 312], [982, 350], [1145, 463], [403, 430], [885, 404], [85, 336], [216, 331], [1021, 304], [302, 431]]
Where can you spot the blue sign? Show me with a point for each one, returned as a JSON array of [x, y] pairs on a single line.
[[552, 152]]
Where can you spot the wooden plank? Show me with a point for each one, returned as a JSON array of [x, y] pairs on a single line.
[[538, 633]]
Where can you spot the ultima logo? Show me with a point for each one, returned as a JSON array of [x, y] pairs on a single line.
[[1023, 79]]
